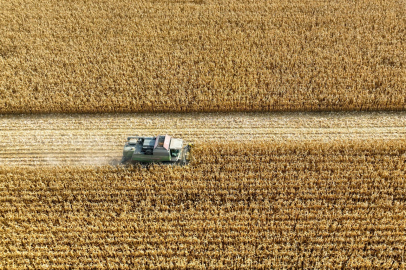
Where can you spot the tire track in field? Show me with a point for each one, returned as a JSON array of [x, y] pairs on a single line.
[[98, 138]]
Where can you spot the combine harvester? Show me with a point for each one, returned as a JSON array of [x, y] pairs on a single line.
[[159, 149]]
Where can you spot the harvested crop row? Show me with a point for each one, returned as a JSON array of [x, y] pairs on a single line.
[[98, 139], [204, 55], [191, 121], [255, 205]]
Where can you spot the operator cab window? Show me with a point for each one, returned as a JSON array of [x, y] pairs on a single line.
[[175, 152]]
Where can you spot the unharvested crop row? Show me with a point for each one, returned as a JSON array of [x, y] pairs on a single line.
[[160, 56], [253, 205]]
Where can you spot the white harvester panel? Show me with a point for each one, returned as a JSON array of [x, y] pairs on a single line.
[[176, 144]]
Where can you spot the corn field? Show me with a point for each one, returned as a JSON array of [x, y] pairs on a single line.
[[271, 184], [258, 205], [201, 55]]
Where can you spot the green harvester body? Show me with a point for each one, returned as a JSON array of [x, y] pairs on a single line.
[[159, 149]]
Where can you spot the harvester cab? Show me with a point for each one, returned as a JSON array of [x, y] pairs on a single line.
[[161, 149]]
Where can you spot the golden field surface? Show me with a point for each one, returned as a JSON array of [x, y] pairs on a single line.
[[201, 55], [98, 139], [257, 205]]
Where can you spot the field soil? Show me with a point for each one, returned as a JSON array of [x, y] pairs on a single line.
[[98, 139]]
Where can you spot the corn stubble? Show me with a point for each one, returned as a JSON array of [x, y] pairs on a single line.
[[203, 55], [262, 205]]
